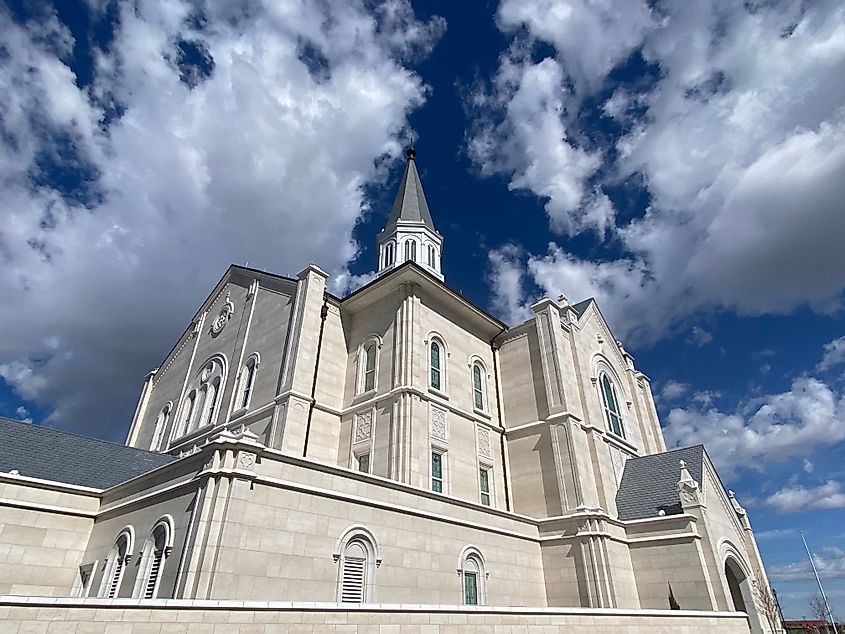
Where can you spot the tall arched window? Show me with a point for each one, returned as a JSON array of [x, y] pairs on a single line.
[[161, 424], [611, 405], [368, 358], [357, 555], [473, 577], [116, 562], [431, 257], [248, 380], [370, 366], [478, 384], [436, 364], [200, 408], [388, 254], [156, 550]]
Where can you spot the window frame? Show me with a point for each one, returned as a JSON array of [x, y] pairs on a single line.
[[146, 566], [357, 534], [443, 454], [162, 421], [197, 411], [375, 341], [246, 382], [443, 371], [486, 471], [114, 568], [481, 390], [471, 555], [608, 412]]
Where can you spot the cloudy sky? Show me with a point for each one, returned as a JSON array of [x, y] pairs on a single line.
[[682, 162]]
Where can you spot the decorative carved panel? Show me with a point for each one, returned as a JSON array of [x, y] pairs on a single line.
[[439, 424], [363, 426], [485, 449]]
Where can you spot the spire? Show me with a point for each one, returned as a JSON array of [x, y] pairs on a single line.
[[410, 204], [409, 234]]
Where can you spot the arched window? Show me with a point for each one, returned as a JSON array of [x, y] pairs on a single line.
[[156, 550], [368, 357], [116, 563], [200, 408], [473, 577], [388, 254], [411, 250], [161, 424], [357, 555], [431, 258], [478, 386], [436, 364], [248, 380], [611, 405]]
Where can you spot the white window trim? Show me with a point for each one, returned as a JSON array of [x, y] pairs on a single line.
[[145, 565], [443, 390], [443, 451], [243, 375], [474, 361], [82, 589], [110, 566], [163, 418], [603, 371], [472, 552], [193, 420], [361, 369], [491, 488], [361, 534]]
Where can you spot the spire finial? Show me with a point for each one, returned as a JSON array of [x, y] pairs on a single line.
[[410, 153]]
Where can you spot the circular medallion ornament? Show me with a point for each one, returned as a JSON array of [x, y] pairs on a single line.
[[223, 318]]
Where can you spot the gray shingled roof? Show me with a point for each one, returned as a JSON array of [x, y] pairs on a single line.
[[650, 483], [410, 204], [581, 307], [50, 454]]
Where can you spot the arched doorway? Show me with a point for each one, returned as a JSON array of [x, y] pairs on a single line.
[[735, 577]]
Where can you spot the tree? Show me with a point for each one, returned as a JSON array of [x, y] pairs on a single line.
[[818, 609], [767, 604]]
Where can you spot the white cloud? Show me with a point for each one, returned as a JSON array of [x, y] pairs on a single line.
[[741, 150], [775, 533], [795, 497], [834, 354], [506, 278], [774, 427], [673, 390], [23, 414], [265, 160], [830, 565]]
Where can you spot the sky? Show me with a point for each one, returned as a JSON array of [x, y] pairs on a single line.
[[681, 162]]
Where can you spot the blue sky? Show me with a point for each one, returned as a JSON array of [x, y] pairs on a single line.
[[681, 162]]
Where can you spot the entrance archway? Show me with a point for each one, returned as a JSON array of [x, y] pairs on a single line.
[[735, 578]]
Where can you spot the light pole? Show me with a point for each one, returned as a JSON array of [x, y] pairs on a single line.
[[819, 581]]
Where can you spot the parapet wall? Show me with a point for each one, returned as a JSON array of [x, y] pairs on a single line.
[[37, 614]]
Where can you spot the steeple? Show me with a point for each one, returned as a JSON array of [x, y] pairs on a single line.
[[409, 233]]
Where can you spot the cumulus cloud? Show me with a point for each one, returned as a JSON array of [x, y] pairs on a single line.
[[772, 428], [507, 290], [673, 390], [796, 497], [740, 145], [834, 354], [206, 136]]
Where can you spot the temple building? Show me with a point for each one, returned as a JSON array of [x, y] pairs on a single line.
[[394, 456]]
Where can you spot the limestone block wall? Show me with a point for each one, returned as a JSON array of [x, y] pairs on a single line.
[[139, 504], [523, 390], [283, 525], [44, 530], [677, 562], [255, 617]]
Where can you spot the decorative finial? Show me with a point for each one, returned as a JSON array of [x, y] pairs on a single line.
[[410, 153], [683, 464]]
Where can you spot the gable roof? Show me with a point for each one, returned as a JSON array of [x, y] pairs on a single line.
[[581, 307], [650, 483], [50, 454], [410, 204]]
